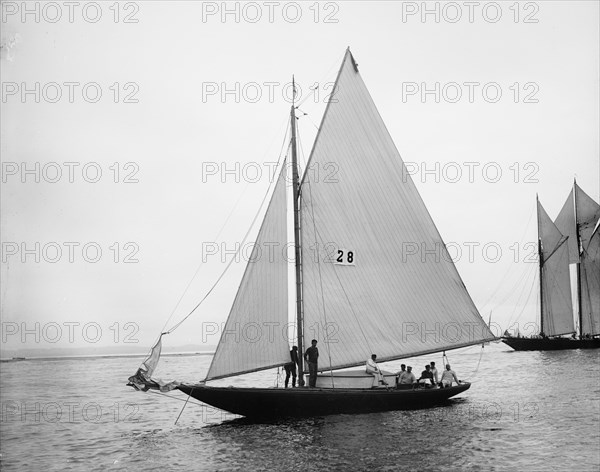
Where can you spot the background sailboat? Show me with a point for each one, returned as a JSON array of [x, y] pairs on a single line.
[[572, 238], [359, 290]]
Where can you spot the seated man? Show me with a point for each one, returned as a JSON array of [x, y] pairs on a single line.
[[407, 379], [426, 377], [373, 369], [401, 374], [448, 376]]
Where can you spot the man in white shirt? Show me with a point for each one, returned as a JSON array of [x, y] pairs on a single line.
[[401, 374], [448, 376], [373, 369], [434, 371], [408, 377]]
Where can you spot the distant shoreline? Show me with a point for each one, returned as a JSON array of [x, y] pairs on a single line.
[[103, 356]]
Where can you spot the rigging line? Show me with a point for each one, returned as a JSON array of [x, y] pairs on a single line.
[[474, 373], [524, 274], [524, 284], [202, 262], [327, 74], [518, 283], [217, 237], [526, 301], [184, 405], [274, 179], [510, 267]]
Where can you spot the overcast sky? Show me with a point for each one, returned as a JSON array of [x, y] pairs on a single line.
[[162, 97]]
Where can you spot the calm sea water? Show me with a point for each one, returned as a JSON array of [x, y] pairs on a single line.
[[526, 411]]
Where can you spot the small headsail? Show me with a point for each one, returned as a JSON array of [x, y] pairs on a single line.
[[377, 277], [141, 380], [557, 307], [255, 334]]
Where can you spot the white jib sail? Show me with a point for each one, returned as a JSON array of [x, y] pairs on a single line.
[[377, 278], [557, 307], [255, 334]]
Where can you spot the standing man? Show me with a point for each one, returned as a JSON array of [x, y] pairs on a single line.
[[312, 357], [434, 371], [401, 374], [290, 367]]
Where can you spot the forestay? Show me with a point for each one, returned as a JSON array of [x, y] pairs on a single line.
[[377, 277], [254, 336], [557, 307]]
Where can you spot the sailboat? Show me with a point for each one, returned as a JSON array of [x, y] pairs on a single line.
[[358, 290], [572, 238]]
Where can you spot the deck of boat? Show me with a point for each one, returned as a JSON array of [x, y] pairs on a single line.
[[303, 401]]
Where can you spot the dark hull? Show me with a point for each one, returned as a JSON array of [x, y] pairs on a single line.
[[551, 344], [302, 402]]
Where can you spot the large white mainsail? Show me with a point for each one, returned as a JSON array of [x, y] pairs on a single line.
[[556, 307], [377, 277], [255, 334]]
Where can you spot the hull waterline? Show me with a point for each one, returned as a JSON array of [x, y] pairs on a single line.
[[551, 344], [303, 402]]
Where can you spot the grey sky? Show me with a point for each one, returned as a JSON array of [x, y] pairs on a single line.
[[174, 63]]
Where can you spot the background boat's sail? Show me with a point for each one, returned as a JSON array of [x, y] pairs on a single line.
[[255, 334], [578, 219], [590, 286], [377, 277], [588, 213], [557, 306], [565, 222]]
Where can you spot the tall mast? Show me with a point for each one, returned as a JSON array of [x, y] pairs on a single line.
[[580, 314], [541, 262], [296, 193]]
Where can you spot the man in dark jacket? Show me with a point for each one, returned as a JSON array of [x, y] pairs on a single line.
[[290, 367], [312, 357]]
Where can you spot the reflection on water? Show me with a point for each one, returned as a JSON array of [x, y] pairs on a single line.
[[524, 411]]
